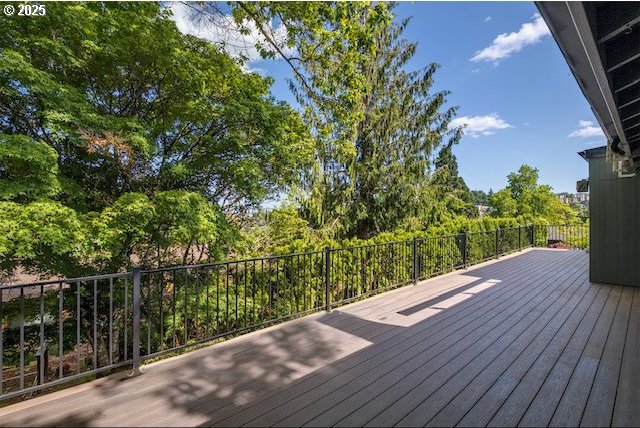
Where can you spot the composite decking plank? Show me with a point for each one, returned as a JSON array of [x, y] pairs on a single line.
[[454, 405], [508, 347], [599, 407], [355, 417], [281, 362], [402, 412], [574, 399], [476, 346], [626, 410], [435, 358], [278, 349], [543, 406], [520, 393], [456, 322], [327, 397], [477, 406], [485, 395]]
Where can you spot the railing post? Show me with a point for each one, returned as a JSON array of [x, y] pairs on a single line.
[[533, 235], [463, 238], [136, 321], [415, 260], [497, 243], [519, 238], [327, 280]]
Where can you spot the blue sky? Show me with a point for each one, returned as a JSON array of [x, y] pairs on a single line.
[[518, 97]]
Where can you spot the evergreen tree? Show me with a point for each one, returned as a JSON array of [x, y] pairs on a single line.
[[452, 192], [373, 169]]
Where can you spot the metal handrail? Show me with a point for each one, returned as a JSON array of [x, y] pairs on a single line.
[[94, 324]]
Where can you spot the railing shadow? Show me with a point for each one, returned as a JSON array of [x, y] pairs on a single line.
[[234, 382]]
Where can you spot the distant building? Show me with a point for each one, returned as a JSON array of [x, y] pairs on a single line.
[[483, 209], [574, 198]]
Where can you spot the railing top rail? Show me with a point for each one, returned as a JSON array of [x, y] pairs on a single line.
[[228, 262], [66, 280], [376, 244], [249, 260]]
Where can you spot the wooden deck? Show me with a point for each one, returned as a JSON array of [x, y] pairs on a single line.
[[526, 340]]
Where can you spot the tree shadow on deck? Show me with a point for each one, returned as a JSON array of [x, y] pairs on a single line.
[[263, 373]]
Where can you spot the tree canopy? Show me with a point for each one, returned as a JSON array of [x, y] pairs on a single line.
[[106, 108], [124, 141], [376, 124], [524, 197]]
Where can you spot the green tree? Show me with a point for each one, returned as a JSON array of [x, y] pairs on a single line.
[[375, 124], [481, 197], [105, 104], [524, 197], [452, 192]]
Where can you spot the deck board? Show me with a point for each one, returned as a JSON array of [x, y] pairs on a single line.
[[525, 340], [599, 407], [626, 409], [404, 360]]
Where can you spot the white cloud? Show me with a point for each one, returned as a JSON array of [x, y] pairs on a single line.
[[587, 129], [476, 126], [504, 45], [487, 19], [224, 32]]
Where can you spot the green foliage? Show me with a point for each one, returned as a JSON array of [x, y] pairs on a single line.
[[524, 197], [375, 124], [154, 142], [42, 234], [28, 169], [481, 197], [123, 141], [453, 197]]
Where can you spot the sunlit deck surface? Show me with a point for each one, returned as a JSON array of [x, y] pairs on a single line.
[[526, 340]]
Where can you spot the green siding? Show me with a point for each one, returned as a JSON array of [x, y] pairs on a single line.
[[614, 211]]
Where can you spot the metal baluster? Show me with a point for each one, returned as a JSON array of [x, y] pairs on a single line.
[[110, 320], [262, 290], [236, 324], [1, 343], [78, 326], [136, 321], [60, 331], [161, 284], [207, 303], [95, 324], [217, 300], [226, 315], [328, 279], [197, 287], [149, 323], [173, 309], [245, 294], [253, 293], [304, 279], [41, 350], [126, 317], [186, 316]]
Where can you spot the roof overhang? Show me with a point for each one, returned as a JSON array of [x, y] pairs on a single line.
[[597, 152], [601, 43]]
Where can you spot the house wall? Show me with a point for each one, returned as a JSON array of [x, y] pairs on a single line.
[[614, 212]]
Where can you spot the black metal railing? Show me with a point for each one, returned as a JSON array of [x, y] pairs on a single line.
[[57, 331]]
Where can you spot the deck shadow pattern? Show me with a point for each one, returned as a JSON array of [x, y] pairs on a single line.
[[525, 341]]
